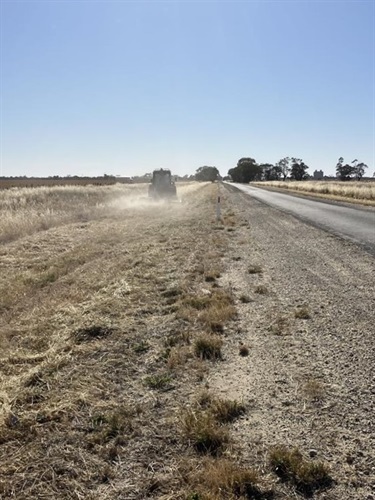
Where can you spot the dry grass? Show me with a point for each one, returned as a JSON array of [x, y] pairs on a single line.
[[27, 210], [244, 350], [213, 309], [352, 191], [290, 465], [203, 432], [261, 290], [302, 313], [89, 308], [208, 346], [314, 390], [224, 479], [254, 269]]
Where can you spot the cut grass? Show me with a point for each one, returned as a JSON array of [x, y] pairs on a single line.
[[290, 466]]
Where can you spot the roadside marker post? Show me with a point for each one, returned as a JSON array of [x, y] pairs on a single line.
[[218, 207]]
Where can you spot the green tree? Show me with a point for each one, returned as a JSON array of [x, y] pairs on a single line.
[[284, 166], [298, 170], [344, 172], [207, 174], [271, 172], [359, 169], [247, 170]]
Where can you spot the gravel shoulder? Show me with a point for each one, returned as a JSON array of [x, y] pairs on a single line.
[[310, 381]]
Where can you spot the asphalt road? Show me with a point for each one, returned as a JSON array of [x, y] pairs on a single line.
[[356, 224]]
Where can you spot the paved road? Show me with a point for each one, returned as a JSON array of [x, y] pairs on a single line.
[[355, 224]]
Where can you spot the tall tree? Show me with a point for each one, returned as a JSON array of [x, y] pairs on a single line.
[[344, 171], [284, 165], [271, 172], [207, 174], [247, 170], [360, 170], [298, 170]]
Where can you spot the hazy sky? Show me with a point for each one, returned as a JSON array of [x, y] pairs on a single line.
[[122, 87]]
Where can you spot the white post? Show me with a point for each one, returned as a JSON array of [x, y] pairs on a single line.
[[218, 208]]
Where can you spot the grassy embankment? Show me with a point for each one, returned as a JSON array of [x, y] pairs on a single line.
[[112, 313], [362, 193]]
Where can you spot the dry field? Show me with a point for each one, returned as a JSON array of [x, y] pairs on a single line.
[[149, 351], [17, 182], [352, 191]]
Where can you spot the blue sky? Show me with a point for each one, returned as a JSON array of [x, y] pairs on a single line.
[[118, 87]]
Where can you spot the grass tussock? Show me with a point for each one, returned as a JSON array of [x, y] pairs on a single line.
[[279, 326], [302, 313], [221, 479], [290, 466], [212, 309], [225, 410], [208, 346], [314, 390], [93, 332], [203, 432], [244, 350], [254, 269]]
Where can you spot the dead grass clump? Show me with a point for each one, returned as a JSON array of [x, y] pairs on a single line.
[[254, 269], [314, 390], [261, 290], [279, 326], [177, 356], [244, 350], [290, 466], [302, 313], [211, 275], [89, 333], [224, 479], [214, 309], [172, 294], [106, 427], [245, 299], [208, 346], [225, 410], [203, 433]]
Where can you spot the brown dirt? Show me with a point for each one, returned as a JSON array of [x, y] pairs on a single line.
[[98, 323]]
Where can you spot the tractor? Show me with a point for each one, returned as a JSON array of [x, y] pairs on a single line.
[[162, 185]]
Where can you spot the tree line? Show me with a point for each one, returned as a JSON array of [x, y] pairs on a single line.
[[248, 170]]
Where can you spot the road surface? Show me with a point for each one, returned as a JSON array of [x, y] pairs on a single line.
[[356, 224]]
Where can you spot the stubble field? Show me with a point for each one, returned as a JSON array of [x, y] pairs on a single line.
[[149, 351]]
